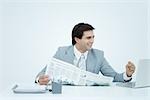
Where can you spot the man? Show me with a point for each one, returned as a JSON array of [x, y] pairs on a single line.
[[82, 41]]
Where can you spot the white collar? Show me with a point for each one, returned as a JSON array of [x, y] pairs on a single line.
[[78, 53]]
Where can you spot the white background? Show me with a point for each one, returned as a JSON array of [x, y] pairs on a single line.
[[32, 30]]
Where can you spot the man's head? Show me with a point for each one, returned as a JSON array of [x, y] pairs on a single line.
[[83, 36]]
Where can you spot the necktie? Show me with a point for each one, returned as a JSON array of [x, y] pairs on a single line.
[[82, 63]]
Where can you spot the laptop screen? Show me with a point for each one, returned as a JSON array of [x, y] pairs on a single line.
[[143, 73]]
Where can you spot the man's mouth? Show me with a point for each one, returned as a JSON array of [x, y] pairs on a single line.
[[90, 45]]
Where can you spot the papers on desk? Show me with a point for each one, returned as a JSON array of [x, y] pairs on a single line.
[[64, 71], [29, 88]]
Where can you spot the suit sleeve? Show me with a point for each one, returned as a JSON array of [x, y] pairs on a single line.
[[107, 70]]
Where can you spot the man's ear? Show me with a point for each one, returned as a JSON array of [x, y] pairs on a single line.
[[76, 39]]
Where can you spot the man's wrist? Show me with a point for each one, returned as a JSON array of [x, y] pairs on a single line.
[[129, 75], [126, 77]]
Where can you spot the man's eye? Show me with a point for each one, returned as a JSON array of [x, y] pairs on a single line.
[[88, 37]]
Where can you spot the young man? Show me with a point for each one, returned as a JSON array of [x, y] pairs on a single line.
[[94, 61]]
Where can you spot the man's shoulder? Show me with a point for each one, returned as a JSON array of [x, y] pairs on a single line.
[[65, 48], [96, 50], [63, 51], [96, 53]]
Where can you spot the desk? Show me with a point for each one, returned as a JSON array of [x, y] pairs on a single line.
[[84, 92]]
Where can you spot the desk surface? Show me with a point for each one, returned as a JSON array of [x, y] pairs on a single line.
[[84, 92]]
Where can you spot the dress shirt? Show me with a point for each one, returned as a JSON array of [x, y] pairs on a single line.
[[78, 55]]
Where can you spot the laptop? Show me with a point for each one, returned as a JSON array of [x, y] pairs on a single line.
[[142, 76]]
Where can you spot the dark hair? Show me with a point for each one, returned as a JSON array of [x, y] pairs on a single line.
[[79, 29]]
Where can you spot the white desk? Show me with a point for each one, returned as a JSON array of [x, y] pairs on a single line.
[[84, 92]]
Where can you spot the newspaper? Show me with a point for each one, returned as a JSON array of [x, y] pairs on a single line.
[[64, 71]]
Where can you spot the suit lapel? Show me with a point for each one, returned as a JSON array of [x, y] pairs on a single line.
[[90, 62]]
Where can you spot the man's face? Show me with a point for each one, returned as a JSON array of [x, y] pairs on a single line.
[[86, 42]]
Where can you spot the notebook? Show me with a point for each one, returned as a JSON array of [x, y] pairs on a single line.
[[142, 76], [29, 88]]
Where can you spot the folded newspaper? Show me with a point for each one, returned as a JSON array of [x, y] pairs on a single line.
[[71, 74], [29, 88]]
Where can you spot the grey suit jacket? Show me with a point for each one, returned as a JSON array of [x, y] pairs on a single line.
[[95, 62]]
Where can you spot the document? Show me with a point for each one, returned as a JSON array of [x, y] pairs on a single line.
[[29, 88], [64, 71]]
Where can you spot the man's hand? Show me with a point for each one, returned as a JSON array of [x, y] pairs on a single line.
[[43, 80], [130, 69]]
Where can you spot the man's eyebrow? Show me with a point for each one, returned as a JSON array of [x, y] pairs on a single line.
[[90, 36]]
